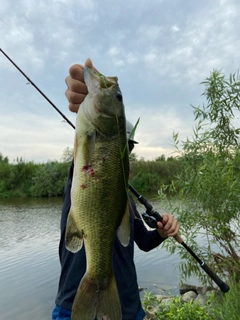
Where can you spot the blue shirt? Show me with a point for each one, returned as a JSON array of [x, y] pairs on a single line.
[[73, 265]]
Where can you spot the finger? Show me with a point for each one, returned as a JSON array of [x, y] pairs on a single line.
[[173, 229], [89, 64], [160, 225], [166, 218], [76, 72], [175, 232], [76, 85], [169, 222], [74, 97], [74, 107]]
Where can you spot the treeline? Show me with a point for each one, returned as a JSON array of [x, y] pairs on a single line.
[[150, 176], [28, 179]]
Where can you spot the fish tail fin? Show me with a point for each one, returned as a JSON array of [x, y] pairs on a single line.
[[93, 302], [109, 303], [73, 235]]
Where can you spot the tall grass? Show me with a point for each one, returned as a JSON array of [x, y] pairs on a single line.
[[227, 306]]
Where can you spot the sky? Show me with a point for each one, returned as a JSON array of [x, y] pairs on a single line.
[[160, 50]]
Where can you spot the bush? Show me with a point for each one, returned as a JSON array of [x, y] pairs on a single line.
[[149, 176], [50, 179], [26, 179]]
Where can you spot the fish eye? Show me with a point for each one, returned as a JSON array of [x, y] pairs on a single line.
[[119, 96]]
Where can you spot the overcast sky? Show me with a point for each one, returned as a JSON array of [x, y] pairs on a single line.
[[160, 50]]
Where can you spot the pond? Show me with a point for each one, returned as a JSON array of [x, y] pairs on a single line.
[[29, 269]]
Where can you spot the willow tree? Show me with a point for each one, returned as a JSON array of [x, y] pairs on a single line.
[[209, 184]]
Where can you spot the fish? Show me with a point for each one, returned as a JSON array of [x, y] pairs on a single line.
[[99, 201]]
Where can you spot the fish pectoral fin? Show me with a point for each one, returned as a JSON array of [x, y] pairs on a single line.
[[73, 235], [123, 231]]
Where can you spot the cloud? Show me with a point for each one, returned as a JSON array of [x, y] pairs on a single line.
[[175, 28], [160, 53], [23, 140]]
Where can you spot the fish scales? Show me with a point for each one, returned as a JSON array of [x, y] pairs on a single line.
[[99, 202], [105, 181]]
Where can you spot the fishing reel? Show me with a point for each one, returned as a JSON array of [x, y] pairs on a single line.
[[151, 220]]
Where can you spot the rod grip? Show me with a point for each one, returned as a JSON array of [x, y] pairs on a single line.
[[222, 285], [178, 238], [158, 217]]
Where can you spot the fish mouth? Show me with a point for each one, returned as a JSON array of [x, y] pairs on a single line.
[[107, 82], [91, 75]]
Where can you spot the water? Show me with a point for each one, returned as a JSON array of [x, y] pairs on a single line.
[[29, 268]]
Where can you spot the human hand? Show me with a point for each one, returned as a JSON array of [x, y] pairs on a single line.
[[77, 89], [169, 227]]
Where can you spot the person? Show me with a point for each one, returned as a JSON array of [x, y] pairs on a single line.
[[73, 265]]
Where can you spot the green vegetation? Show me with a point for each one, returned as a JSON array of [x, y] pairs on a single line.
[[218, 307], [27, 179], [148, 176], [175, 310], [227, 306], [209, 183]]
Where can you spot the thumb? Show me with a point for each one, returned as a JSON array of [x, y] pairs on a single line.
[[89, 64], [160, 225]]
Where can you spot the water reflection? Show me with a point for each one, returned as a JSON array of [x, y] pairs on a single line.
[[29, 269]]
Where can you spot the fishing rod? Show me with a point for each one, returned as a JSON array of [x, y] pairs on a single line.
[[151, 217]]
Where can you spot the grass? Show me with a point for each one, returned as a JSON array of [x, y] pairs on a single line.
[[227, 306]]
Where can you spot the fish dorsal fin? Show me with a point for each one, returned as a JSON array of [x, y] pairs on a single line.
[[123, 231]]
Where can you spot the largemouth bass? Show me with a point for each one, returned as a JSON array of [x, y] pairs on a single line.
[[99, 203]]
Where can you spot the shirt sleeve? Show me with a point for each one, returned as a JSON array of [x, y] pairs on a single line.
[[145, 239]]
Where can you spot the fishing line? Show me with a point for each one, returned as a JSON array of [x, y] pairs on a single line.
[[36, 87], [151, 217], [19, 35]]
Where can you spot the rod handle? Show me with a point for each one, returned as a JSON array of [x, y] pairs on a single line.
[[222, 285], [178, 238]]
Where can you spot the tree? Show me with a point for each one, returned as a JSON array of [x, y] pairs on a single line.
[[161, 158], [67, 155], [210, 182], [133, 157], [3, 159], [49, 180]]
